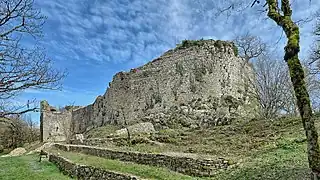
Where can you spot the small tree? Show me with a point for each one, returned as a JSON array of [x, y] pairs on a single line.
[[250, 46]]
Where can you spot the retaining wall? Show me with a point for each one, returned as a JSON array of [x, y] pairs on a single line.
[[86, 172], [185, 165]]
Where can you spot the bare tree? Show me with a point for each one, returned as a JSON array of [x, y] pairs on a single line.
[[314, 60], [280, 12], [271, 86], [269, 89], [250, 46], [32, 130], [274, 90], [22, 68]]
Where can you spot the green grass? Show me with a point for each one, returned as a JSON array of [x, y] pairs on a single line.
[[265, 149], [288, 161], [235, 141], [142, 171], [102, 132], [28, 167]]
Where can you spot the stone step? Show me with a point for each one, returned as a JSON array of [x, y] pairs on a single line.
[[185, 165], [84, 166]]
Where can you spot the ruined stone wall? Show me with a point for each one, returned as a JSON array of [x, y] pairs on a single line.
[[82, 119], [86, 172], [54, 124], [185, 165], [199, 83]]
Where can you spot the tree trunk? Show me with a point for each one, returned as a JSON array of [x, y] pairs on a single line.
[[297, 77]]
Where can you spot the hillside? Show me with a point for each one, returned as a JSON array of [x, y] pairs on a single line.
[[257, 149]]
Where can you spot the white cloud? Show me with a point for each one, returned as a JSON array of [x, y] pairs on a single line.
[[95, 38]]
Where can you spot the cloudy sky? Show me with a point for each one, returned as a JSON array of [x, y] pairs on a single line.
[[94, 39]]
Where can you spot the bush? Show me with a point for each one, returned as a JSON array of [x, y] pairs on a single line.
[[189, 43], [235, 49], [179, 69]]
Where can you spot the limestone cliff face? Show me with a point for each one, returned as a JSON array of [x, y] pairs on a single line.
[[199, 83]]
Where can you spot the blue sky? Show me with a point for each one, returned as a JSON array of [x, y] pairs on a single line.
[[94, 39]]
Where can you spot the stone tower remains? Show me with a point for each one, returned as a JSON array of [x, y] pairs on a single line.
[[199, 83]]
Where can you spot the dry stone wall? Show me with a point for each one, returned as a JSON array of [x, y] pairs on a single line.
[[86, 172], [199, 83], [185, 165]]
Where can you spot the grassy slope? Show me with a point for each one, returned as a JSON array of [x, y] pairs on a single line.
[[266, 149], [28, 168]]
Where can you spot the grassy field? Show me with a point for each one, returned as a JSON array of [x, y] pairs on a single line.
[[28, 168]]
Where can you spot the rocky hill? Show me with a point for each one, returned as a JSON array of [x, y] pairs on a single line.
[[199, 83]]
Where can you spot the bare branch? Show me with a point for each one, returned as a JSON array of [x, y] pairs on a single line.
[[22, 67], [250, 46]]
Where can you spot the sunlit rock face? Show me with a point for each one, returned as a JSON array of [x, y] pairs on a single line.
[[197, 84]]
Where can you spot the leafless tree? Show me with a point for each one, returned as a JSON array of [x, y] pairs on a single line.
[[22, 67], [31, 129], [314, 59], [271, 86], [280, 12], [250, 46], [269, 89]]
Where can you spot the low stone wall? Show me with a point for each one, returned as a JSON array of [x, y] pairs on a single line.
[[86, 172], [185, 165], [102, 142]]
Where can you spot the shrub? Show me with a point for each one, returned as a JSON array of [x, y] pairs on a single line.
[[179, 69]]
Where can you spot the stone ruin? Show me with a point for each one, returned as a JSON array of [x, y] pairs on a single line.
[[198, 84], [54, 123]]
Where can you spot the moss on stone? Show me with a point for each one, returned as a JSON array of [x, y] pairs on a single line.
[[235, 49], [218, 44], [44, 105], [190, 43], [179, 68]]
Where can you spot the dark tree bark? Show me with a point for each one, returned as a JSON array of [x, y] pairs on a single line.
[[297, 75]]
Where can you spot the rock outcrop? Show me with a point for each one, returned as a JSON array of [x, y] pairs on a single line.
[[139, 128], [16, 152], [199, 83]]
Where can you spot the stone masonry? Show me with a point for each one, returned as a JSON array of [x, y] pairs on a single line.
[[199, 83], [54, 124], [86, 172], [181, 164]]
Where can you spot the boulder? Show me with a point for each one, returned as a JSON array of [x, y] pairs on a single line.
[[16, 152], [140, 128]]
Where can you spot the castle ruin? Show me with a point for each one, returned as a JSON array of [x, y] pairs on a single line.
[[199, 83]]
